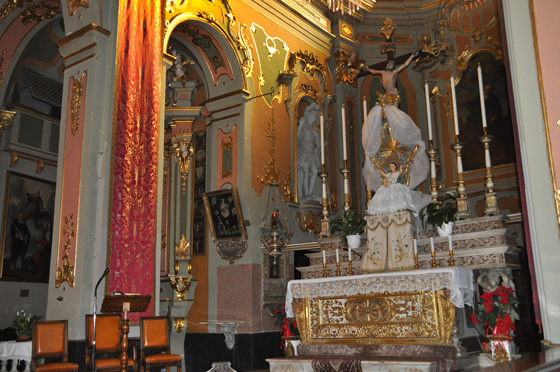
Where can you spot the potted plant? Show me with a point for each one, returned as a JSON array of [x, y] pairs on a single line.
[[351, 226], [23, 324], [289, 333], [440, 216]]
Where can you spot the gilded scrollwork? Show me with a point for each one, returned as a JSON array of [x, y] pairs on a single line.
[[73, 5], [14, 158], [310, 63], [179, 324], [182, 248], [271, 174], [76, 103], [39, 11], [184, 151], [6, 118], [309, 90], [65, 273]]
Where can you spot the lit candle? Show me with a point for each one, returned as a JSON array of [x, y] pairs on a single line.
[[349, 254], [344, 149], [481, 93], [450, 243], [322, 129], [415, 247], [428, 111], [337, 257], [324, 257], [455, 117], [432, 244], [365, 109]]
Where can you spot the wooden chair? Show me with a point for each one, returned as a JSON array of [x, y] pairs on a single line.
[[154, 335], [50, 340], [107, 341]]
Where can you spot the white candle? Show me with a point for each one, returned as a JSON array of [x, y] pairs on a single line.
[[337, 257], [324, 257], [415, 247], [455, 117], [433, 169], [428, 111], [344, 149], [322, 129], [365, 110], [459, 164], [432, 244], [481, 93], [487, 158], [349, 254], [450, 243], [346, 186]]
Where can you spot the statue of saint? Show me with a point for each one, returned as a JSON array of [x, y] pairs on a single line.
[[308, 153]]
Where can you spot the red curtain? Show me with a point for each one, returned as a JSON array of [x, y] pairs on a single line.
[[135, 140]]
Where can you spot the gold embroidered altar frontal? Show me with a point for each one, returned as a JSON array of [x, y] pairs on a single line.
[[410, 307]]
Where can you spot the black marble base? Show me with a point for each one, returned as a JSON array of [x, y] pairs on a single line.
[[366, 351], [248, 354]]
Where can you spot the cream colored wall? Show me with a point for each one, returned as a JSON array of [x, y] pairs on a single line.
[[541, 214]]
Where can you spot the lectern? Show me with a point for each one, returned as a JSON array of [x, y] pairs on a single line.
[[125, 304]]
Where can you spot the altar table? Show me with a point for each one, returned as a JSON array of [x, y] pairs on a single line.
[[405, 307], [15, 351]]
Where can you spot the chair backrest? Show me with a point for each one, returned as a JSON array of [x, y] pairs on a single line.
[[107, 332], [50, 339], [154, 332]]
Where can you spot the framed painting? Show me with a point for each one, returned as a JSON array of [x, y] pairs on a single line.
[[27, 228], [224, 216]]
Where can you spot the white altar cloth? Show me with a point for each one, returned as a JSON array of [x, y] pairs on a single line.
[[15, 351], [458, 280]]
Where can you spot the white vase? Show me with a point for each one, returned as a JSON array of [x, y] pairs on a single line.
[[354, 240], [292, 344], [446, 229]]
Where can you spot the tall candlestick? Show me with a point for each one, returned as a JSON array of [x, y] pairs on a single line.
[[350, 254], [322, 129], [337, 257], [454, 99], [365, 109], [428, 111], [487, 158], [344, 149], [450, 243], [415, 247], [433, 169], [324, 257], [481, 93], [432, 245]]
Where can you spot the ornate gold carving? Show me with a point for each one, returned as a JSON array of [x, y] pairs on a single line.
[[181, 286], [310, 62], [10, 5], [477, 35], [179, 324], [14, 158], [309, 222], [227, 147], [3, 51], [182, 249], [38, 12], [184, 151], [66, 272], [347, 67], [368, 310], [347, 30], [76, 102], [388, 28], [288, 185], [309, 90], [74, 4], [39, 166], [271, 175], [6, 118]]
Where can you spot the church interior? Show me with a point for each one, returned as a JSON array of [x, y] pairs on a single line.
[[208, 162]]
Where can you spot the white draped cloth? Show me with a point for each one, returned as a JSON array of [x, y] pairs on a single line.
[[459, 281]]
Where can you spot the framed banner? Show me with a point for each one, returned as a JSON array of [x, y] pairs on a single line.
[[224, 215], [27, 228]]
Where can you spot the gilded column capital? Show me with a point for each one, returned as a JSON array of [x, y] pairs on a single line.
[[6, 119]]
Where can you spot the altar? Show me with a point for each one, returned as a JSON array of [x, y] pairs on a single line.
[[415, 307]]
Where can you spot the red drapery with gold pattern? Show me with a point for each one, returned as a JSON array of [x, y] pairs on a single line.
[[135, 148]]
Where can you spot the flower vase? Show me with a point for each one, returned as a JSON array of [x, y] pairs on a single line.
[[354, 241], [292, 344], [446, 229], [503, 348]]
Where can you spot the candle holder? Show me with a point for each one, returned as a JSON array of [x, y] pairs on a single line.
[[462, 205], [349, 267], [345, 172], [338, 269], [325, 233], [434, 187], [491, 205], [416, 261], [433, 260], [451, 260], [324, 269]]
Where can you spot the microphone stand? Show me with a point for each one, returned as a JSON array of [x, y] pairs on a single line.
[[95, 316]]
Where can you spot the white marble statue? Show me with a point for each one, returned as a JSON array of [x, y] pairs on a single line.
[[308, 153]]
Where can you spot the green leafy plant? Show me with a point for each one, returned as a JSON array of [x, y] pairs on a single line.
[[436, 214], [23, 323], [350, 223], [288, 326], [494, 314]]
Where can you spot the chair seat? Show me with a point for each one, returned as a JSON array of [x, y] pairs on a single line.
[[110, 363], [56, 367], [162, 358]]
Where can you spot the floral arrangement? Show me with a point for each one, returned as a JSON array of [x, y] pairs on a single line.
[[23, 323], [288, 326], [494, 315]]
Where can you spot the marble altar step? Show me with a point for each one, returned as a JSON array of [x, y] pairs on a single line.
[[482, 242]]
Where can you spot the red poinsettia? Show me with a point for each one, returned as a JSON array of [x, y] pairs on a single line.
[[288, 326], [495, 311]]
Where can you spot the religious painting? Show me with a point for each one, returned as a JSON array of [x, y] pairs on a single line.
[[224, 215], [27, 229], [498, 113], [199, 221]]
